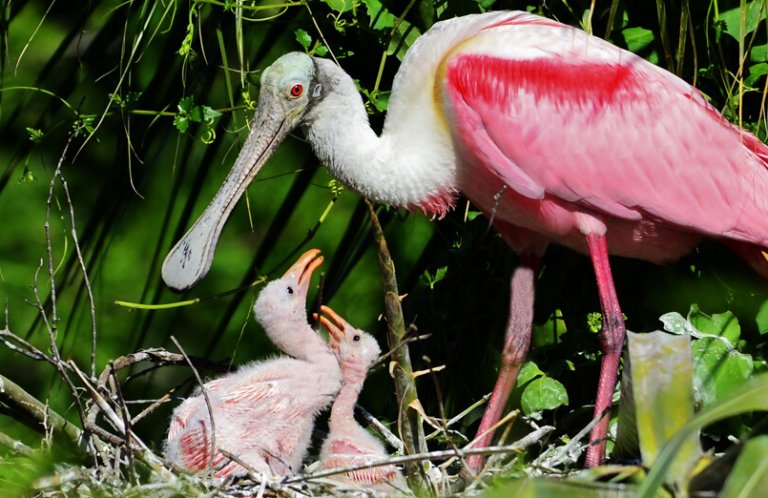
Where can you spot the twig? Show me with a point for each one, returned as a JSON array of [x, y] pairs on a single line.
[[391, 439], [15, 445], [520, 445], [563, 453], [15, 397]]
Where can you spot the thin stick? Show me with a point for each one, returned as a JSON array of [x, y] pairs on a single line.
[[520, 445]]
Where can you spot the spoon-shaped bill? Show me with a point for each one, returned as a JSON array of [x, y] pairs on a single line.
[[190, 259]]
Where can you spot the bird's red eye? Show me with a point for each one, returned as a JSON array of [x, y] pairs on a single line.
[[297, 90]]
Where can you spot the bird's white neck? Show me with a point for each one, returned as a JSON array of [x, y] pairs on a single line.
[[343, 409], [409, 165], [296, 338]]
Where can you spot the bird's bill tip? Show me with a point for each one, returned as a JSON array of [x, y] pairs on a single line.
[[304, 267], [190, 259], [334, 323]]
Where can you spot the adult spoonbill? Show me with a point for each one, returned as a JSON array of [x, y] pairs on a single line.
[[557, 135], [348, 443], [263, 413]]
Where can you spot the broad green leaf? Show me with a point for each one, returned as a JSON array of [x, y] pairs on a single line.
[[718, 369], [549, 332], [637, 38], [756, 71], [762, 318], [720, 324], [749, 477], [528, 372], [381, 18], [752, 15], [340, 5], [543, 393], [759, 53], [752, 396], [662, 387]]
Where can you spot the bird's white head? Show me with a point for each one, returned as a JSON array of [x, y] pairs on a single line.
[[289, 88], [355, 349], [281, 305]]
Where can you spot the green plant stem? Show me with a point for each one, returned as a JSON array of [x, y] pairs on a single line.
[[409, 420]]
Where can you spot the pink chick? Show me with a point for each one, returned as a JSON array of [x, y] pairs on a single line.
[[264, 413], [348, 443]]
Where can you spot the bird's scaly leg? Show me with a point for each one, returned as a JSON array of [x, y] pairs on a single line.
[[517, 341], [611, 341]]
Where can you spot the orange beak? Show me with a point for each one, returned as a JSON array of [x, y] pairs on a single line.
[[303, 268], [335, 325]]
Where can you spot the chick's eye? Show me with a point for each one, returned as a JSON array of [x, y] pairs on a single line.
[[356, 338], [290, 290], [297, 90]]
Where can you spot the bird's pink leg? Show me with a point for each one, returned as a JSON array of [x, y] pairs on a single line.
[[517, 341], [611, 340]]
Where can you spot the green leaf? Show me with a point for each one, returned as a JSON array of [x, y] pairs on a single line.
[[718, 369], [549, 332], [749, 476], [528, 372], [724, 325], [485, 4], [759, 53], [340, 5], [752, 15], [637, 38], [303, 38], [181, 122], [752, 396], [35, 134], [762, 318], [756, 71], [543, 393], [381, 18]]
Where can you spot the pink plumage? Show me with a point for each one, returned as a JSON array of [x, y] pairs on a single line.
[[263, 413], [348, 443]]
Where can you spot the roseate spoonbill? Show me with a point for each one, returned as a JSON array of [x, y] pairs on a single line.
[[557, 135], [263, 413], [348, 443]]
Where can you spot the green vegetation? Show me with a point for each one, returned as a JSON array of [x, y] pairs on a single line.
[[119, 120]]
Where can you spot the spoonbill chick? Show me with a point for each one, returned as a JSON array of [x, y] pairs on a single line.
[[264, 413], [348, 443]]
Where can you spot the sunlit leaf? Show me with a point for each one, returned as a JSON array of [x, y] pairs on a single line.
[[543, 393], [718, 369], [752, 16], [724, 325], [340, 5]]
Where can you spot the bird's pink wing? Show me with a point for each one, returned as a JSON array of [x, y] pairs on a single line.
[[605, 130]]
